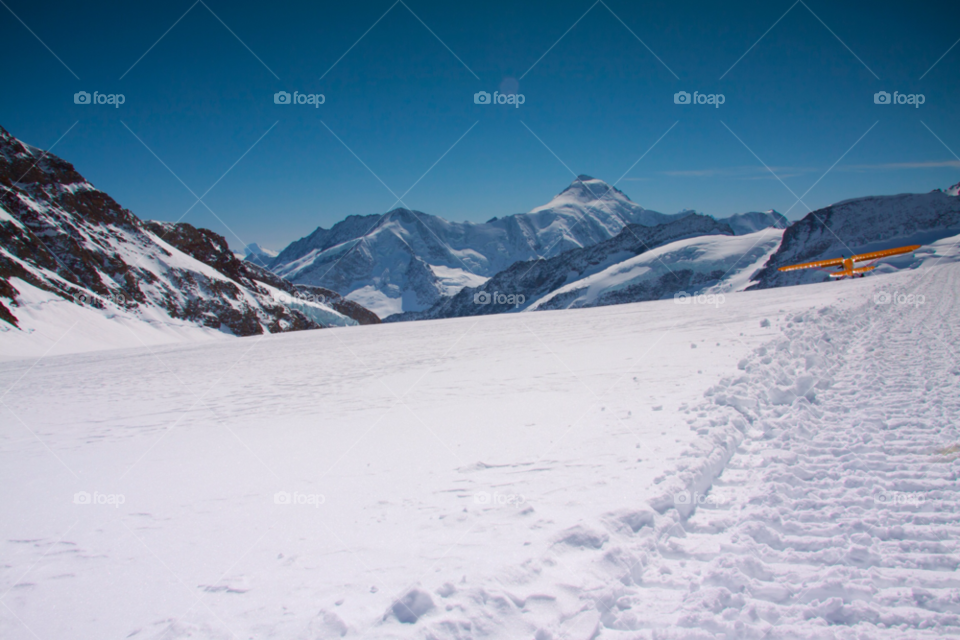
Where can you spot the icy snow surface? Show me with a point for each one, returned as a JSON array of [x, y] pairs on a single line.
[[782, 465]]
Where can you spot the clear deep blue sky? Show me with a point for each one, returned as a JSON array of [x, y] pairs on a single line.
[[599, 99]]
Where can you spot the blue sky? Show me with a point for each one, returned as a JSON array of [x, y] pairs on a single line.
[[598, 79]]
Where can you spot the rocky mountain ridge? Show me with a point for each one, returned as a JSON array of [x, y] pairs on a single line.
[[61, 235]]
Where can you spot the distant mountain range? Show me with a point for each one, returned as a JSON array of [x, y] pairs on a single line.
[[696, 254], [522, 284], [410, 265], [408, 260], [63, 242]]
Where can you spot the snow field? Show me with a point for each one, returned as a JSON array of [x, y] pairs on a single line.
[[636, 471]]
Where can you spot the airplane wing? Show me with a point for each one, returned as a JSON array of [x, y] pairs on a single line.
[[875, 255], [813, 265]]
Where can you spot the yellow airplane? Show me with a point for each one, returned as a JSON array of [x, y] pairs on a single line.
[[846, 264]]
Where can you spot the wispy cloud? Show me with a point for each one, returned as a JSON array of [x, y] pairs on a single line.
[[894, 166], [778, 176], [744, 172], [761, 173]]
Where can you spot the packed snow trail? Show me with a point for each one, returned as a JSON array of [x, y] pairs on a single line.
[[822, 502], [836, 517]]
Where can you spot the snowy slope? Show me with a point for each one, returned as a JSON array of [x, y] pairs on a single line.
[[49, 324], [691, 267], [408, 260], [60, 235], [783, 465]]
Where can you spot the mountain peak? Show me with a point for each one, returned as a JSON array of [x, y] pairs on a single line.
[[609, 206], [255, 249], [585, 189]]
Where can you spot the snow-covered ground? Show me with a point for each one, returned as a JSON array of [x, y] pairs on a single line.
[[783, 464]]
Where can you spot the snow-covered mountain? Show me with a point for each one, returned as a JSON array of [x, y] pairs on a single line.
[[259, 256], [409, 260], [687, 270], [753, 221], [68, 249], [532, 280], [862, 225]]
